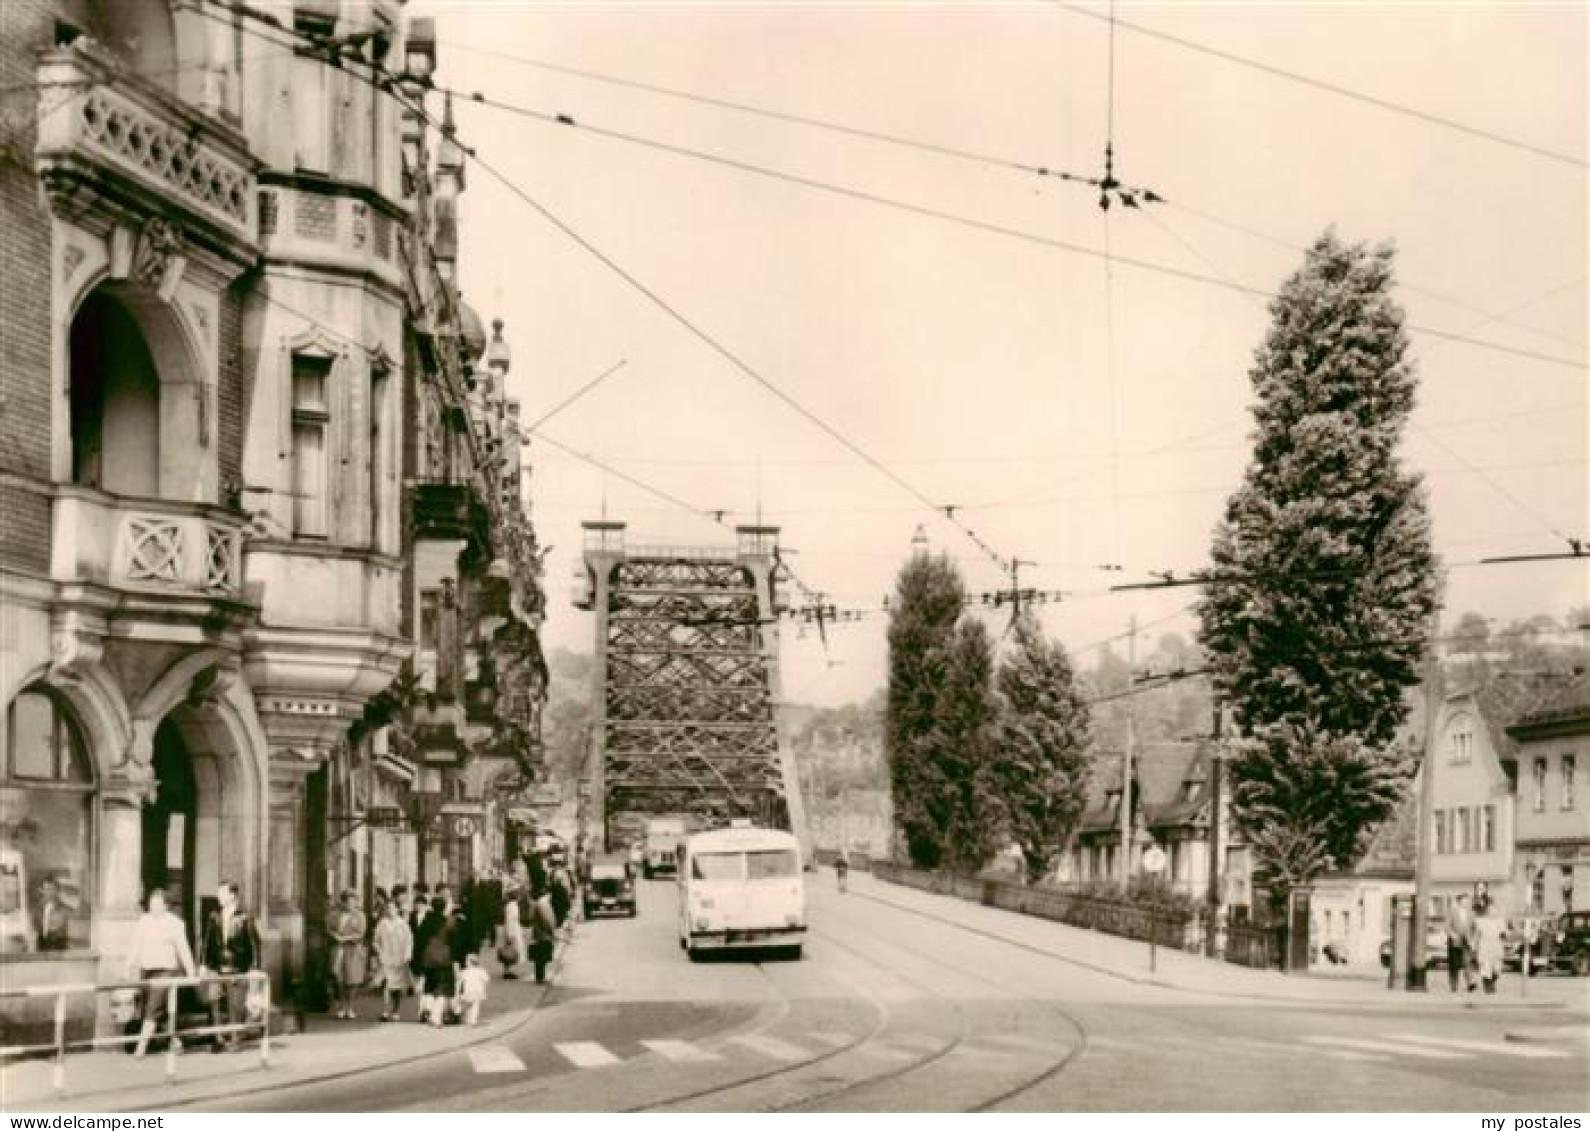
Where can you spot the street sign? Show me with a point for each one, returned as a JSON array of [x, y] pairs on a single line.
[[1154, 860], [463, 827]]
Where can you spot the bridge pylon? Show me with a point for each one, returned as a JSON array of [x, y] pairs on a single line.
[[686, 683]]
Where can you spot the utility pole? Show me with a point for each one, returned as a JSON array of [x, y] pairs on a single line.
[[1214, 828], [1126, 757], [1426, 847]]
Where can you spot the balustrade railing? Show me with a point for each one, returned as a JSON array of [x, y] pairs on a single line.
[[173, 1034], [147, 544]]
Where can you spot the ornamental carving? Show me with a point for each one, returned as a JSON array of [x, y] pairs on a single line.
[[163, 153]]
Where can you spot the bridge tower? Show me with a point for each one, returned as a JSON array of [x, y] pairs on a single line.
[[687, 684]]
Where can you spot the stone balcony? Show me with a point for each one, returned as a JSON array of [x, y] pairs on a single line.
[[151, 546], [112, 140]]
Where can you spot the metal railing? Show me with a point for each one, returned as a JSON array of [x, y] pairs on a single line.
[[173, 1034]]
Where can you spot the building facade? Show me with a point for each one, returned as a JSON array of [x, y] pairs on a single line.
[[1551, 849], [243, 450], [1471, 819]]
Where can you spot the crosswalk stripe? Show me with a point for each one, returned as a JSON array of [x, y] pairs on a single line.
[[915, 1042], [1496, 1048], [1348, 1054], [680, 1051], [1368, 1044], [770, 1046], [585, 1054], [883, 1052], [495, 1058], [831, 1038], [1021, 1044]]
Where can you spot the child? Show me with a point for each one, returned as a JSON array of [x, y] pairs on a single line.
[[472, 989]]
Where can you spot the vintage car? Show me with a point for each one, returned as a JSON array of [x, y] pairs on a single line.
[[1558, 943], [611, 887]]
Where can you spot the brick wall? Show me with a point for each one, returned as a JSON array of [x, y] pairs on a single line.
[[25, 25]]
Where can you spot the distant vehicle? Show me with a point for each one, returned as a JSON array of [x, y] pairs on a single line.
[[741, 888], [664, 835], [1434, 949], [1561, 943], [611, 887]]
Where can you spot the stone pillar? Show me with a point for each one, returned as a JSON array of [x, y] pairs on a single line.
[[281, 905], [121, 803]]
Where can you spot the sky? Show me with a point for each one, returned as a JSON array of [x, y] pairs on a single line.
[[1079, 411]]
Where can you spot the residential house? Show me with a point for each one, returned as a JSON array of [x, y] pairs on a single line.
[[1551, 842]]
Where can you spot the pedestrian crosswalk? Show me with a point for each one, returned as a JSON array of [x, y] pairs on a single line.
[[894, 1048], [789, 1049], [1365, 1048]]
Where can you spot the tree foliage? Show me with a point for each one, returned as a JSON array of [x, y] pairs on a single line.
[[929, 597], [1039, 770], [1324, 578], [962, 747]]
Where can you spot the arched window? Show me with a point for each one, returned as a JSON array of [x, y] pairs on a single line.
[[46, 828]]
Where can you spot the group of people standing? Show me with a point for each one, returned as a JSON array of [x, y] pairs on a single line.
[[1475, 934], [427, 944], [229, 949]]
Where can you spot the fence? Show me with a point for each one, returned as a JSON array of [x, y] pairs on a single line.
[[1244, 943], [173, 1034]]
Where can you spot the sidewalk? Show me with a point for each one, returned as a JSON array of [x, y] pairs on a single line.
[[112, 1080], [1128, 960]]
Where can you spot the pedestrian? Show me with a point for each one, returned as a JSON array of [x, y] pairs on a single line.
[[1459, 930], [348, 954], [1489, 929], [561, 890], [436, 963], [230, 947], [511, 951], [159, 950], [472, 989], [394, 944], [53, 915], [543, 932], [842, 869]]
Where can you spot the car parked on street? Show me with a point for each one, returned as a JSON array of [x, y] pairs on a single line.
[[1562, 943], [1434, 949], [611, 887]]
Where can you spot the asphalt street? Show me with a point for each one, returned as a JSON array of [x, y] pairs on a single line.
[[897, 1008]]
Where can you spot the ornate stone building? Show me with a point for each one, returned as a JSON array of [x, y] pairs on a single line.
[[266, 576]]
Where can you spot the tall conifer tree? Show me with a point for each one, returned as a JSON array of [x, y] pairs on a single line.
[[1324, 578]]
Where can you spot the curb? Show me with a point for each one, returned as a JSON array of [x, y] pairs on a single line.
[[1553, 1034], [1158, 982], [223, 1087]]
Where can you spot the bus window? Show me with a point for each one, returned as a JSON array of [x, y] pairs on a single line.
[[716, 866], [774, 864]]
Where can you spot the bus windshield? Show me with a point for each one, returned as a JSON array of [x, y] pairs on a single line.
[[716, 866], [772, 864]]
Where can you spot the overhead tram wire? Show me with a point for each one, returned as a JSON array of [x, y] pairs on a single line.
[[1146, 195], [973, 223], [1575, 160], [577, 394], [716, 346], [386, 78]]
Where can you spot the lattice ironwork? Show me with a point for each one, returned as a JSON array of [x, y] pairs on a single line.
[[688, 709]]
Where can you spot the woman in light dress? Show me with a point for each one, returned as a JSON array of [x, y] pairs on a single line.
[[394, 946]]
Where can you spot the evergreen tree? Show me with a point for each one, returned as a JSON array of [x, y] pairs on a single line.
[[1324, 580], [962, 749], [1040, 771], [928, 599]]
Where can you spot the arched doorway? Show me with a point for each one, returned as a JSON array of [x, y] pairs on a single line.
[[115, 400], [170, 822], [196, 827]]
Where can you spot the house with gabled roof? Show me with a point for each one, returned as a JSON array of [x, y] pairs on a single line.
[[1170, 807]]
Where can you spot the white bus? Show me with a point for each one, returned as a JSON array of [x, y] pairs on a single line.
[[740, 888]]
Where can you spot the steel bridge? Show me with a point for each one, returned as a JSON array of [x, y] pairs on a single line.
[[687, 684]]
